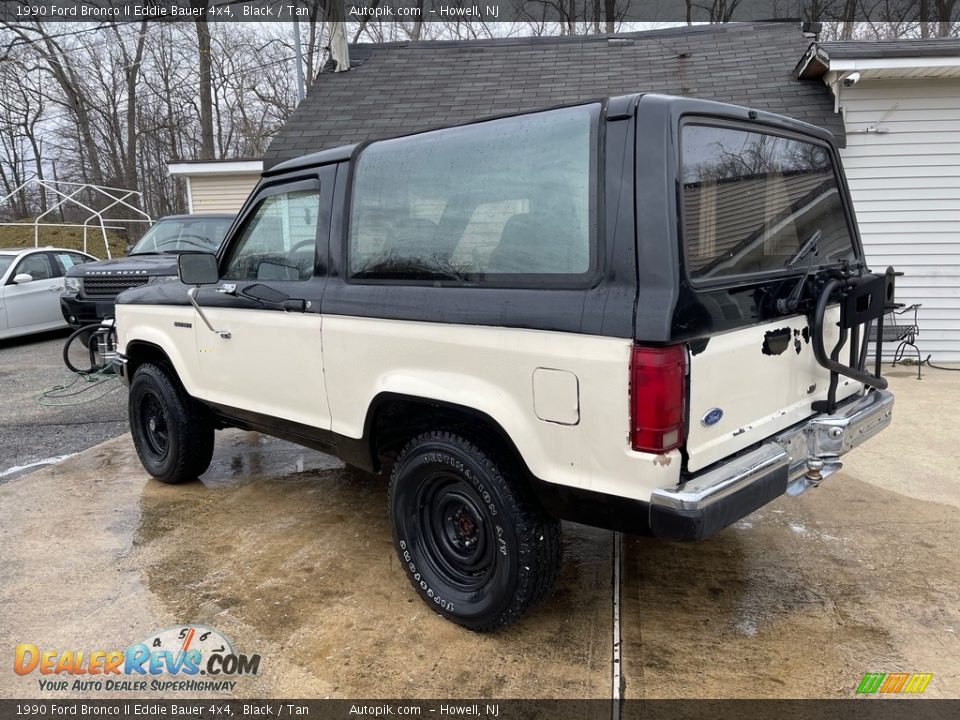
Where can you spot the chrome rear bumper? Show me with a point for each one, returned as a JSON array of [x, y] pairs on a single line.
[[793, 461], [825, 438]]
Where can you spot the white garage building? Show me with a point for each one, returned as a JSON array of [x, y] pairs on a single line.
[[900, 102], [217, 186]]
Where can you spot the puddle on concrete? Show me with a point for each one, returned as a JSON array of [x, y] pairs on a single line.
[[799, 601], [288, 553], [247, 457], [290, 549]]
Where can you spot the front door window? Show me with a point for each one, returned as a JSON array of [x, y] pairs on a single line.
[[279, 241]]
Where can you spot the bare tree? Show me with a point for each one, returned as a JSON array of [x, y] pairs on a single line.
[[315, 42], [719, 11], [22, 106], [132, 65], [61, 67], [944, 11], [204, 65]]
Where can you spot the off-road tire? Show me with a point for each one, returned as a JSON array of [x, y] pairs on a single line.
[[474, 544], [178, 446]]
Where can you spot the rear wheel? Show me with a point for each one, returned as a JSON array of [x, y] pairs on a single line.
[[173, 434], [475, 547]]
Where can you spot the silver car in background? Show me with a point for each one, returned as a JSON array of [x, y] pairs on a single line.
[[31, 281]]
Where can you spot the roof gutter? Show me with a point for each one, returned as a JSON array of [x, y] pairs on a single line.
[[816, 62], [215, 167], [905, 63]]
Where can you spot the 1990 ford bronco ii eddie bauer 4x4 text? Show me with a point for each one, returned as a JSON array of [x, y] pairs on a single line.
[[646, 313]]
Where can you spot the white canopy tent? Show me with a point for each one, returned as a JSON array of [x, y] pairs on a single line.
[[69, 194]]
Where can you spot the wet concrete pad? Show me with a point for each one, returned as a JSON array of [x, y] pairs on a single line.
[[798, 600], [288, 553]]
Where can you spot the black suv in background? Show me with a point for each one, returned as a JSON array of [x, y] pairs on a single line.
[[91, 289]]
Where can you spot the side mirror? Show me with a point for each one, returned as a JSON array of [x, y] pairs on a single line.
[[198, 268], [21, 278]]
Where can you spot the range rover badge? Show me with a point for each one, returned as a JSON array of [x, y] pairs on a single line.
[[711, 417]]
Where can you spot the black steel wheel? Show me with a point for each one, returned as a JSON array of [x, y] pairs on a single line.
[[475, 547], [457, 533], [172, 433], [156, 426]]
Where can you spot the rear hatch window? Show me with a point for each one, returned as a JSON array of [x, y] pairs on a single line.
[[759, 211], [752, 202]]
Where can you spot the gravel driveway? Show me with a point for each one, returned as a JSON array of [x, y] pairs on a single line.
[[31, 433]]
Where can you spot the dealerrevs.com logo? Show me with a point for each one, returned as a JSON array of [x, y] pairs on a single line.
[[189, 658]]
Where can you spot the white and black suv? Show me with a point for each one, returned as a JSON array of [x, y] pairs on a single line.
[[645, 313]]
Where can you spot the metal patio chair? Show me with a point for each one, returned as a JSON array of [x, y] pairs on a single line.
[[896, 330]]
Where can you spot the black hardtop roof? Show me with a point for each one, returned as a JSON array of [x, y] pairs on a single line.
[[318, 158], [615, 105]]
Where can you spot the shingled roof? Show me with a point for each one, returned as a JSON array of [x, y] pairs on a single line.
[[397, 88]]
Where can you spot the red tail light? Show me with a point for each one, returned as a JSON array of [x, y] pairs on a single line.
[[657, 397]]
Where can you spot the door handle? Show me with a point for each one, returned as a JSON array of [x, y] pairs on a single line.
[[56, 289]]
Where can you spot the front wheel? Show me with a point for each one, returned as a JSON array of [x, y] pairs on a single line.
[[476, 548], [173, 435]]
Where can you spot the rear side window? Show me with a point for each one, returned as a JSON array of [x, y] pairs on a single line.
[[752, 202], [501, 200]]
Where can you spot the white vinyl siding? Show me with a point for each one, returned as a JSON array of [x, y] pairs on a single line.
[[220, 193], [905, 182]]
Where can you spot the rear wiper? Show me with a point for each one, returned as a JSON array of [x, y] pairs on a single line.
[[809, 246], [791, 303]]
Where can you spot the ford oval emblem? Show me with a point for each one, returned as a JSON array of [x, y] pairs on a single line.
[[711, 417]]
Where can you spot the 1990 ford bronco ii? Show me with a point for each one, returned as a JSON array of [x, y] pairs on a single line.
[[646, 313]]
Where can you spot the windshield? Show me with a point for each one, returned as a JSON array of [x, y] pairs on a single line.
[[755, 203], [203, 234], [5, 261]]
